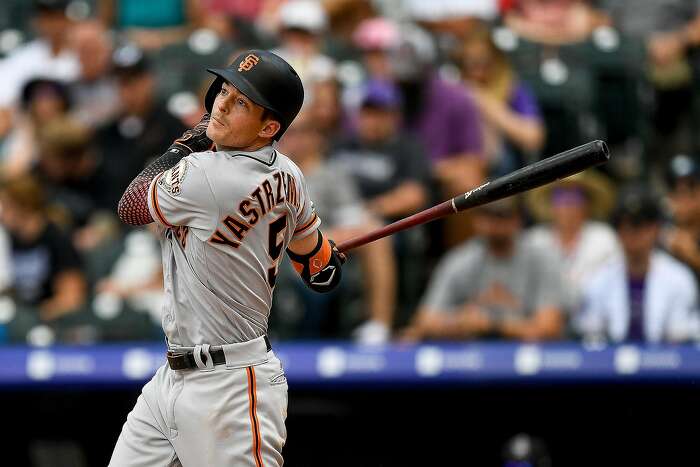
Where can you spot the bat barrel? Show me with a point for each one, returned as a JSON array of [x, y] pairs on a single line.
[[532, 176], [535, 175]]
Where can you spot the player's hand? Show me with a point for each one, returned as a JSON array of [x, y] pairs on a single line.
[[341, 256], [196, 139]]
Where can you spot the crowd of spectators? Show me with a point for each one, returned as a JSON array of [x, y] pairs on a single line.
[[407, 103]]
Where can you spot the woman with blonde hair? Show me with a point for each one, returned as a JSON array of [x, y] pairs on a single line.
[[513, 125]]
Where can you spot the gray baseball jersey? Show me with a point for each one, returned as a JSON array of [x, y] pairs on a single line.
[[227, 218]]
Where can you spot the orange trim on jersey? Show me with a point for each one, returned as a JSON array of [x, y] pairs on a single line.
[[307, 225], [156, 206], [254, 424]]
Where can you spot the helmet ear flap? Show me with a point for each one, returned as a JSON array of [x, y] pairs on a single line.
[[213, 90]]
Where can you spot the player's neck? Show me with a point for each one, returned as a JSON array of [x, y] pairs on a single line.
[[256, 145]]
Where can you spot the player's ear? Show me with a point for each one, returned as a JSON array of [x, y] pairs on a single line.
[[270, 128]]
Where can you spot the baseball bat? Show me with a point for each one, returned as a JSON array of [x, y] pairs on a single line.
[[526, 178]]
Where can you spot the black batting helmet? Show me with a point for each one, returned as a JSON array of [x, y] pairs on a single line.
[[266, 79]]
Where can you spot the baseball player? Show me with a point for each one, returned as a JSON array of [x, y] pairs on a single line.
[[225, 219]]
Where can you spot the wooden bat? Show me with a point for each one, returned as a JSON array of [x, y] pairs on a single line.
[[526, 178]]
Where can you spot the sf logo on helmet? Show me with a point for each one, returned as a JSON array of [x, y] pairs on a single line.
[[248, 62]]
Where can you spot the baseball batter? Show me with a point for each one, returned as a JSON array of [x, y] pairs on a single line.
[[225, 218]]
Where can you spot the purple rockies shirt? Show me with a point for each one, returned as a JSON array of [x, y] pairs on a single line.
[[450, 122], [523, 102]]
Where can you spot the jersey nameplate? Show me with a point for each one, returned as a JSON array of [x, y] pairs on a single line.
[[280, 188]]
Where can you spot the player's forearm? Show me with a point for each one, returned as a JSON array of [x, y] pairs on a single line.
[[133, 205], [525, 132]]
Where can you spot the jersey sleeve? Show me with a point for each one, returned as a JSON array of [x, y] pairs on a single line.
[[307, 220], [183, 196]]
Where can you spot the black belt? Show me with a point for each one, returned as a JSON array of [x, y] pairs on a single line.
[[185, 360]]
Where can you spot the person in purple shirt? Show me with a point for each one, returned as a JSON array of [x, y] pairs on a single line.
[[442, 114], [514, 131]]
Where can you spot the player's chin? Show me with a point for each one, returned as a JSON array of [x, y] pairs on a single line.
[[215, 132]]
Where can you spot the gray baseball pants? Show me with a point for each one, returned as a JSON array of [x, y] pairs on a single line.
[[224, 415]]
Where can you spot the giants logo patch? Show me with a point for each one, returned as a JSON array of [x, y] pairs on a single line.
[[172, 178], [248, 62]]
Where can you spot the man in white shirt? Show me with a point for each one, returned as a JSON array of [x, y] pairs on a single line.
[[48, 56], [645, 295]]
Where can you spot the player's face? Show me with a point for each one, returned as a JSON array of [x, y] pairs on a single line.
[[237, 123]]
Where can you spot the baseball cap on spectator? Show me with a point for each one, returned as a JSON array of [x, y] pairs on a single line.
[[304, 15], [39, 87], [682, 169], [129, 61], [378, 34], [381, 95], [637, 206]]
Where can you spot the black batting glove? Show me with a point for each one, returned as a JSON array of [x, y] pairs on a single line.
[[195, 139]]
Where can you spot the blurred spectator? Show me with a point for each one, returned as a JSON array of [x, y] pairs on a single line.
[[42, 102], [301, 28], [553, 22], [444, 117], [153, 24], [580, 242], [392, 173], [142, 130], [645, 295], [68, 169], [376, 38], [682, 237], [548, 41], [669, 28], [513, 124], [66, 160], [46, 266], [388, 165], [338, 204], [493, 286], [238, 21], [451, 20], [327, 111], [344, 16], [136, 278], [441, 114], [48, 56], [95, 95]]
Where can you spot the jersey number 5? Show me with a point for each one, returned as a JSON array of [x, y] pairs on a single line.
[[275, 247]]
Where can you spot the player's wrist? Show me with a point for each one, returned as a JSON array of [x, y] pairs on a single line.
[[195, 139]]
